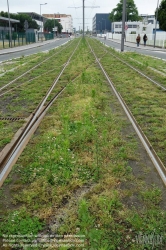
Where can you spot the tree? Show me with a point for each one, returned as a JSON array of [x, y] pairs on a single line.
[[131, 12], [50, 23], [162, 15], [21, 17]]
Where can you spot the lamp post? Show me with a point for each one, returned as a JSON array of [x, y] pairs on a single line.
[[123, 25], [54, 25], [156, 23], [10, 33], [105, 23], [40, 14]]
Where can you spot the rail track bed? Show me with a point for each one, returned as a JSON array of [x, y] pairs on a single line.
[[22, 91], [84, 171]]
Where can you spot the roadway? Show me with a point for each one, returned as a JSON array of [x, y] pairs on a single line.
[[11, 53], [148, 50], [7, 54]]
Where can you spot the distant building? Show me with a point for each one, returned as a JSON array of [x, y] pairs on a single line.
[[65, 20], [101, 23], [5, 23], [147, 25]]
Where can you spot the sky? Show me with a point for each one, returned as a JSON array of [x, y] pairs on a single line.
[[64, 7]]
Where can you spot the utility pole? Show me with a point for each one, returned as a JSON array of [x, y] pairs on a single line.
[[83, 18], [10, 33], [83, 6], [123, 25]]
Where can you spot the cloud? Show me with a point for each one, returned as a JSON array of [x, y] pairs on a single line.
[[62, 6]]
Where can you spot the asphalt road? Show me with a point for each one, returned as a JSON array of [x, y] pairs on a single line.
[[148, 51], [34, 50]]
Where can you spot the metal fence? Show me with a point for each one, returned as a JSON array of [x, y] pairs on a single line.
[[19, 39]]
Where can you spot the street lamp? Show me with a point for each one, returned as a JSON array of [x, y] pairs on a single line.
[[123, 25], [54, 25], [10, 33], [40, 14], [105, 23]]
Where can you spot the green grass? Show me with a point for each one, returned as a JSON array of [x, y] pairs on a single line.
[[77, 170]]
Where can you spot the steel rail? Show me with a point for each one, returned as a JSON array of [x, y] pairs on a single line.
[[30, 127], [7, 91], [138, 71], [5, 86], [24, 141], [151, 152]]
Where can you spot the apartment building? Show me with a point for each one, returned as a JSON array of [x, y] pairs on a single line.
[[65, 20]]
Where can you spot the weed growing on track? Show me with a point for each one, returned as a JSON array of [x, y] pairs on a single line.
[[82, 144], [146, 101], [22, 101]]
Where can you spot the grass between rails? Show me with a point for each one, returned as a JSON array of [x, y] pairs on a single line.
[[81, 144], [27, 63], [147, 61], [146, 101], [22, 101]]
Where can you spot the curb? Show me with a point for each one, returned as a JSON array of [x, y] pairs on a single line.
[[163, 50], [24, 48]]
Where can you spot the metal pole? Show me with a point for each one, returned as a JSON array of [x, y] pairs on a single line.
[[126, 21], [112, 28], [156, 24], [83, 17], [40, 15], [123, 25], [10, 33], [40, 19]]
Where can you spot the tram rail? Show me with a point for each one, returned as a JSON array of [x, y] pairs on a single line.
[[161, 169], [9, 158]]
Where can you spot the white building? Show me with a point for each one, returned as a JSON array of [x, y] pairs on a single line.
[[132, 29], [65, 20], [147, 25]]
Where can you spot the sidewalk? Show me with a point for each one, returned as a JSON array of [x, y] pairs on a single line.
[[134, 45], [25, 47]]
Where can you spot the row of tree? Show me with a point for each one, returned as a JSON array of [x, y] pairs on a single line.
[[132, 13], [51, 23], [19, 27], [21, 17]]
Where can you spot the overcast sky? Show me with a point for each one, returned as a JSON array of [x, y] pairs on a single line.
[[62, 7]]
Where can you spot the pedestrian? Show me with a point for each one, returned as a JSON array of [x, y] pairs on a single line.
[[145, 38], [138, 39]]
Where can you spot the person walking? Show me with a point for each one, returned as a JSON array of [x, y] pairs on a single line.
[[138, 39], [145, 38]]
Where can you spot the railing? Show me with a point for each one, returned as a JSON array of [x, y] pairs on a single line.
[[160, 38], [20, 39]]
